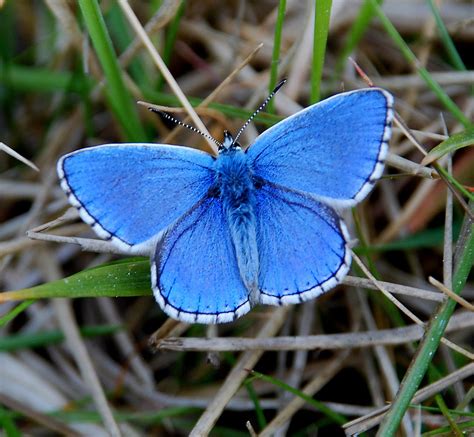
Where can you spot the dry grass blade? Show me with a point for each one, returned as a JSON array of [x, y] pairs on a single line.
[[463, 302], [87, 244], [410, 167], [215, 93], [11, 152], [393, 288], [78, 350], [309, 389], [394, 336], [235, 378], [363, 424], [406, 311], [164, 69], [401, 82], [163, 16], [48, 422], [123, 365]]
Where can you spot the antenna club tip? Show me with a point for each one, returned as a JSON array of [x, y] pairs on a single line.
[[280, 84]]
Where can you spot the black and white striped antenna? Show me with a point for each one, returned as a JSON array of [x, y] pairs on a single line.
[[265, 103], [188, 126], [219, 144]]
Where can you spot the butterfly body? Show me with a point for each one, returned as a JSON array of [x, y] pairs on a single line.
[[236, 187], [228, 232]]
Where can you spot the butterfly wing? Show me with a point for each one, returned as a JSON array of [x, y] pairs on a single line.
[[130, 192], [302, 246], [334, 150], [195, 276]]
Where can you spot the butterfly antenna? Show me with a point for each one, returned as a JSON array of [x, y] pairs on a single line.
[[265, 103], [180, 123]]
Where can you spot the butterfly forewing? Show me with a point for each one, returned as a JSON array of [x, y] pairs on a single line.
[[130, 192], [334, 150]]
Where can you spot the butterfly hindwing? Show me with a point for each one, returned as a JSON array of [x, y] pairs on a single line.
[[334, 150], [302, 246], [195, 276], [128, 193]]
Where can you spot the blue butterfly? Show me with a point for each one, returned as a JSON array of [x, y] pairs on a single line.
[[246, 227]]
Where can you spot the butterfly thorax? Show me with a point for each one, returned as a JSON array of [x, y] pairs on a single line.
[[234, 186], [234, 178]]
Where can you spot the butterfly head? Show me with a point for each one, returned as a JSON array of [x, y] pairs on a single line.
[[229, 143]]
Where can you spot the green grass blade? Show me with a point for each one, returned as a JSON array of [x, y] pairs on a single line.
[[261, 420], [171, 35], [433, 375], [7, 423], [41, 339], [7, 29], [138, 417], [452, 411], [322, 14], [423, 72], [122, 38], [355, 34], [119, 98], [450, 145], [26, 79], [445, 431], [336, 417], [446, 38], [447, 176], [123, 279], [432, 337], [14, 312], [276, 52], [456, 432], [44, 80]]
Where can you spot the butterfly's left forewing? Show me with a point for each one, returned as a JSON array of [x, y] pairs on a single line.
[[302, 246], [128, 193]]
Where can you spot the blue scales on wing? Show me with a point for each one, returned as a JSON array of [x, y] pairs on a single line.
[[334, 150], [195, 275], [128, 193], [301, 244]]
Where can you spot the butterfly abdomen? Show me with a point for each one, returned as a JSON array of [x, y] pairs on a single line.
[[238, 199]]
